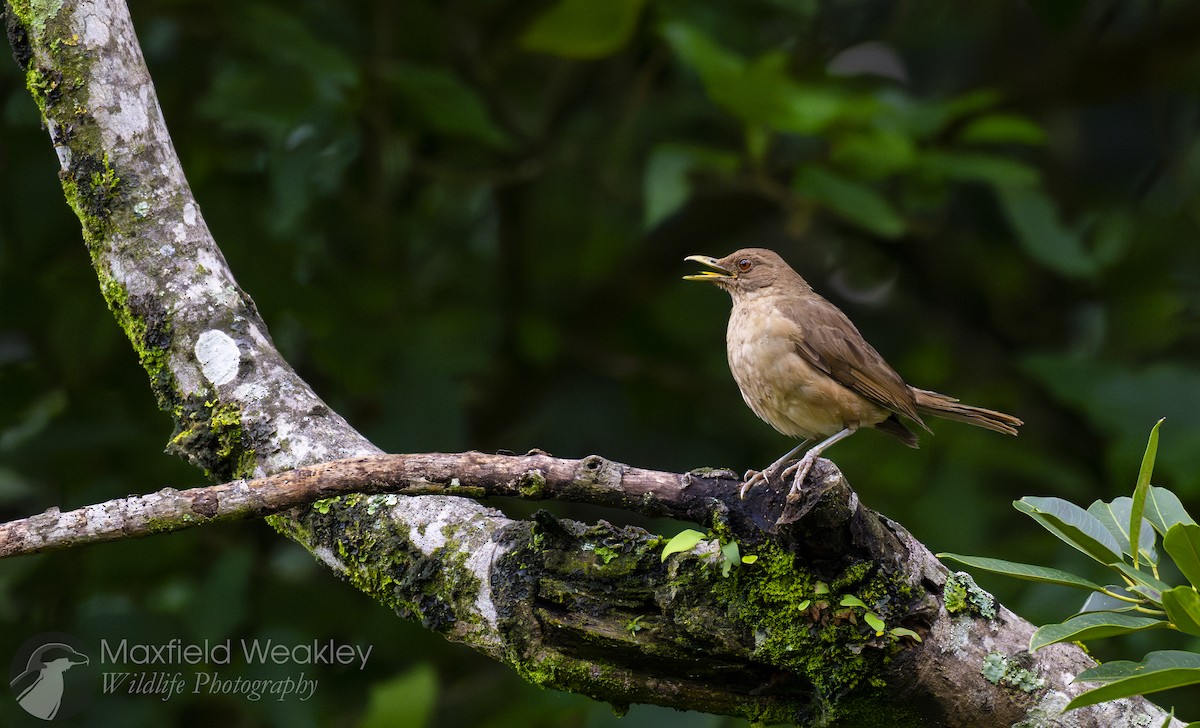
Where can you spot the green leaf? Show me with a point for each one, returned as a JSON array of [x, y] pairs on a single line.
[[1119, 400], [760, 92], [904, 632], [1182, 542], [854, 201], [281, 35], [665, 183], [1092, 625], [990, 169], [934, 117], [716, 65], [852, 601], [1073, 525], [583, 28], [874, 153], [444, 102], [1116, 518], [1002, 129], [1164, 510], [685, 540], [1144, 583], [749, 558], [1099, 602], [732, 555], [804, 604], [872, 619], [404, 700], [1160, 670], [1183, 608], [1139, 490], [1024, 571], [1035, 221]]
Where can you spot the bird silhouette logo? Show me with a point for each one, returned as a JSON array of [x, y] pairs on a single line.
[[41, 683]]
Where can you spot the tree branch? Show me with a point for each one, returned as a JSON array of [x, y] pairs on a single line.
[[592, 609], [534, 476]]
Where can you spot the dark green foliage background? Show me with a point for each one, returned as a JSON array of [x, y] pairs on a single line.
[[465, 224]]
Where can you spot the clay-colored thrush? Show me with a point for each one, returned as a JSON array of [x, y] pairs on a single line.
[[803, 367]]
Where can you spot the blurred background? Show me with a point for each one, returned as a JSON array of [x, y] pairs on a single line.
[[464, 223]]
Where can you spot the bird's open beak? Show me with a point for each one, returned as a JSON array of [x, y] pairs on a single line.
[[718, 272]]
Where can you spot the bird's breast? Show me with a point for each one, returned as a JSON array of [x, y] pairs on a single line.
[[782, 387]]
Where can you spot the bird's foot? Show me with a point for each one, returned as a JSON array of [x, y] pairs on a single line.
[[754, 478], [798, 473], [751, 479]]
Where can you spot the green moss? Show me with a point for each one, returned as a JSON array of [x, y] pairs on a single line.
[[211, 435], [532, 485], [36, 14], [605, 553], [809, 633], [962, 594], [437, 589], [852, 577], [92, 184], [766, 598]]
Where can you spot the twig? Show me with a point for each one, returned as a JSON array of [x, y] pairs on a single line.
[[533, 476]]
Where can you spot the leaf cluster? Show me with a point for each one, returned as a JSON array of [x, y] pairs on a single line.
[[1123, 535]]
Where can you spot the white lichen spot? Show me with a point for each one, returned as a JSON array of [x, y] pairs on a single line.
[[480, 564], [130, 117], [142, 209], [95, 29], [166, 250], [218, 355], [428, 536], [189, 214], [62, 150], [960, 635], [250, 392], [1050, 707]]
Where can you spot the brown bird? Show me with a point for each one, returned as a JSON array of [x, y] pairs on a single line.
[[805, 370]]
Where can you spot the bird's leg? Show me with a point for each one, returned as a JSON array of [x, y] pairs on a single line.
[[810, 458], [768, 472]]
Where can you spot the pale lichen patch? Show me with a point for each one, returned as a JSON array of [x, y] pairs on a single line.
[[218, 355], [327, 557], [427, 518], [480, 563]]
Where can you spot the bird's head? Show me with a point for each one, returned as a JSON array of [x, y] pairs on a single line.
[[746, 271]]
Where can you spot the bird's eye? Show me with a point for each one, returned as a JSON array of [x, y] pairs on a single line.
[[745, 264]]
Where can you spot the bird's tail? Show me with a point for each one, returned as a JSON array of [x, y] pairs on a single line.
[[940, 405]]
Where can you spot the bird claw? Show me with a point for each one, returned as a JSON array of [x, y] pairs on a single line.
[[754, 478], [751, 478], [798, 473]]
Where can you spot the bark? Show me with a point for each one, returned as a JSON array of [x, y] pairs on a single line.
[[591, 609]]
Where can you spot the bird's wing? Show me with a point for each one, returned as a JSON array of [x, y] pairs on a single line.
[[829, 341]]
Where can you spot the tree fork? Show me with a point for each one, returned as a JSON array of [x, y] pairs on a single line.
[[547, 596]]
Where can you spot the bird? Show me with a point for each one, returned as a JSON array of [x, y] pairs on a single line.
[[41, 685], [804, 368]]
